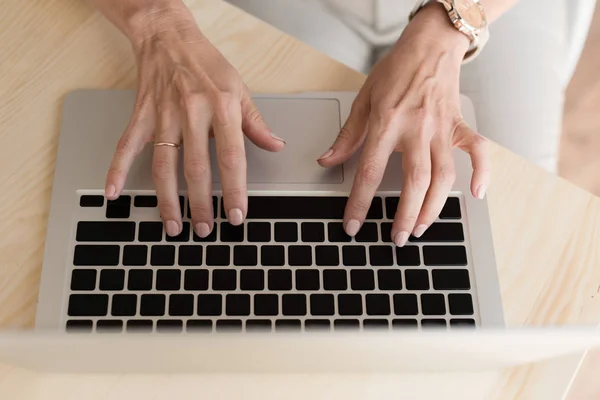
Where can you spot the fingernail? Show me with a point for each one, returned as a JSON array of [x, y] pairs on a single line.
[[401, 238], [326, 155], [172, 228], [202, 229], [235, 216], [481, 192], [110, 191], [274, 136], [420, 230], [352, 227]]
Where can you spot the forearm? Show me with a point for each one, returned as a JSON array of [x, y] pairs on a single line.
[[495, 8]]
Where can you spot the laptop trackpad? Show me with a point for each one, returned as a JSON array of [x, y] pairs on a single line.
[[309, 127]]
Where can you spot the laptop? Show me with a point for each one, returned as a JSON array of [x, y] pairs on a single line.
[[109, 267]]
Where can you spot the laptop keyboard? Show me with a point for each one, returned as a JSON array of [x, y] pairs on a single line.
[[289, 267]]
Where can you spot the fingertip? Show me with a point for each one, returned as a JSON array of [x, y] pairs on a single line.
[[479, 192], [110, 192]]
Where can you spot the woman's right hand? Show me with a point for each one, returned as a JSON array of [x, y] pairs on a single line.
[[187, 91]]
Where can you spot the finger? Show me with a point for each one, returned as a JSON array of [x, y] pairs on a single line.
[[255, 127], [416, 171], [164, 165], [229, 141], [139, 130], [478, 148], [442, 179], [352, 134], [196, 161], [367, 179]]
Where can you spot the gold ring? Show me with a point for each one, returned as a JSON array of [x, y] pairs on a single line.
[[167, 144]]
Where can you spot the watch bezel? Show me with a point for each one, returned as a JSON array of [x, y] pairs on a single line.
[[463, 21]]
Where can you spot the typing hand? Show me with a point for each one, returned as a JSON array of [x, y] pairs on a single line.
[[188, 91], [410, 103]]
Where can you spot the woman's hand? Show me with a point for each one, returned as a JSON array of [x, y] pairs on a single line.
[[410, 103], [187, 90]]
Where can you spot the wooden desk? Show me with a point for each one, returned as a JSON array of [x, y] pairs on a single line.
[[546, 231]]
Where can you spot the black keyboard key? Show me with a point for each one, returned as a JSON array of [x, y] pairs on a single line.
[[354, 256], [404, 324], [391, 205], [408, 256], [444, 255], [139, 325], [451, 209], [336, 233], [433, 304], [112, 279], [300, 256], [296, 207], [79, 325], [386, 232], [378, 304], [442, 232], [90, 255], [195, 279], [367, 233], [168, 279], [169, 325], [313, 232], [245, 256], [462, 323], [198, 325], [286, 232], [83, 279], [212, 236], [252, 279], [88, 305], [362, 279], [162, 255], [280, 279], [350, 304], [307, 279], [375, 324], [433, 323], [119, 208], [335, 279], [152, 305], [150, 231], [272, 256], [232, 233], [258, 325], [346, 324], [224, 279], [229, 325], [184, 235], [266, 304], [381, 256], [460, 304], [217, 256], [322, 304], [376, 209], [124, 305], [450, 279], [139, 279], [259, 232], [328, 256], [293, 304], [181, 205], [416, 279], [287, 325], [135, 255], [109, 326], [389, 279], [237, 304], [405, 304], [190, 255], [317, 325], [105, 231], [145, 201], [91, 201], [210, 304]]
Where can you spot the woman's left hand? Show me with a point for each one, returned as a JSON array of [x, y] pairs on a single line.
[[410, 103]]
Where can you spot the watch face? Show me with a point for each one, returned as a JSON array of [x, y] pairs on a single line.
[[470, 12]]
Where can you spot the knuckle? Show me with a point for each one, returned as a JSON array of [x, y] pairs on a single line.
[[253, 115], [371, 173], [223, 106], [166, 208], [408, 219], [125, 144], [231, 157], [446, 174], [161, 169], [201, 211], [420, 176], [114, 171], [358, 206], [234, 194], [195, 170]]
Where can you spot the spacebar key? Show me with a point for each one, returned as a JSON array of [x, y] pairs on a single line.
[[296, 207]]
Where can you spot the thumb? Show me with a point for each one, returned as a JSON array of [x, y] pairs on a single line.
[[255, 127], [477, 147]]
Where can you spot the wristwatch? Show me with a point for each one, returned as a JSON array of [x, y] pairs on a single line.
[[468, 16]]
